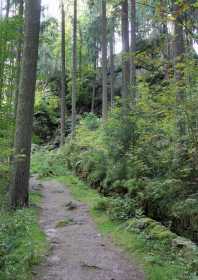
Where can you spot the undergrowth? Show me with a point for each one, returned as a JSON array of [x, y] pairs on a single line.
[[142, 238], [158, 258], [22, 243], [140, 177]]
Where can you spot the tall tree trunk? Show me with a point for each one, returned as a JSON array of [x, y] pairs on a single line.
[[8, 8], [93, 98], [165, 38], [18, 59], [24, 120], [179, 68], [125, 54], [1, 9], [63, 76], [80, 53], [133, 50], [104, 61], [3, 51], [94, 81], [112, 67], [74, 68]]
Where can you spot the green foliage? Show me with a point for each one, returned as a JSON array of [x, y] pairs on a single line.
[[22, 244], [121, 209], [91, 121], [141, 237], [129, 155], [47, 163]]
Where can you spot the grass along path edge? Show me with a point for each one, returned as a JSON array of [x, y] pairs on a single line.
[[156, 259]]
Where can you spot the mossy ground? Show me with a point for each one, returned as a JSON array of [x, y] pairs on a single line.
[[159, 260], [22, 243]]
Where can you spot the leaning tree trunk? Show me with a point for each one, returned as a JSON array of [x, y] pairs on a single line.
[[125, 54], [104, 61], [18, 59], [74, 68], [63, 76], [24, 119], [133, 50], [179, 69]]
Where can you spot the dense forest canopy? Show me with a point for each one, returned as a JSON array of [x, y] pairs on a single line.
[[109, 90]]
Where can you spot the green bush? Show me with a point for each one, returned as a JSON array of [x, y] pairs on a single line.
[[137, 155], [22, 244], [121, 209], [47, 163], [91, 121]]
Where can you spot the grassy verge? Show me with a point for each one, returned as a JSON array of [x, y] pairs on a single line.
[[22, 243], [159, 260]]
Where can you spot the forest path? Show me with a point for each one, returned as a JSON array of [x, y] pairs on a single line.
[[78, 251]]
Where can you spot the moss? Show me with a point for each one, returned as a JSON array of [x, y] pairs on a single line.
[[102, 204], [161, 233]]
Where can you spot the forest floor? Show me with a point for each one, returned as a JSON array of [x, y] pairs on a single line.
[[78, 251]]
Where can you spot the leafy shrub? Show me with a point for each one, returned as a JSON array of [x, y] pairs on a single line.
[[121, 209], [102, 204], [47, 163], [137, 155], [91, 121], [22, 244]]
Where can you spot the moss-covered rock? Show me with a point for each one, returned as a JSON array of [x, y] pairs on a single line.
[[161, 233]]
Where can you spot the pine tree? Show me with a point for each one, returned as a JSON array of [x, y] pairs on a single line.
[[24, 119]]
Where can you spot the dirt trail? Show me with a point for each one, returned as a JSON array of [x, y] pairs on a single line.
[[78, 251]]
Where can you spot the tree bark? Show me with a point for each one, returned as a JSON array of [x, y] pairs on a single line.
[[63, 76], [133, 50], [179, 71], [125, 54], [74, 68], [112, 67], [93, 98], [165, 38], [104, 61], [8, 8], [18, 59], [80, 53], [24, 119]]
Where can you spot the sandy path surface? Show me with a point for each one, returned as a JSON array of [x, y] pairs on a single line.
[[78, 251]]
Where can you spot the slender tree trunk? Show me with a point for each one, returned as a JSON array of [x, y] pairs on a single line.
[[80, 54], [93, 98], [3, 51], [94, 82], [24, 120], [1, 9], [104, 61], [18, 59], [133, 50], [179, 68], [63, 76], [74, 68], [8, 8], [165, 38], [112, 67], [125, 54]]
